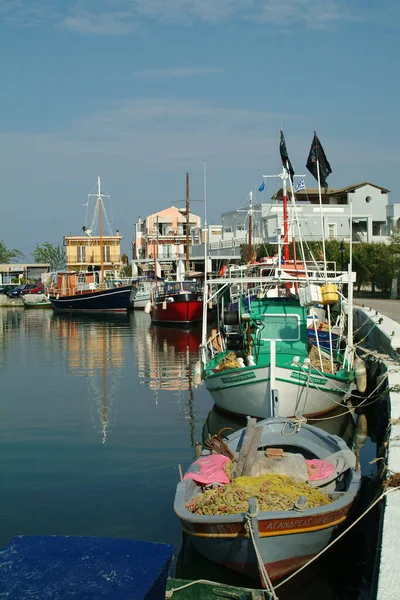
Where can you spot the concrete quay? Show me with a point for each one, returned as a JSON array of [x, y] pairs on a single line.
[[379, 336]]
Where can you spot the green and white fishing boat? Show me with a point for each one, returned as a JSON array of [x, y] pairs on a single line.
[[268, 367], [259, 359]]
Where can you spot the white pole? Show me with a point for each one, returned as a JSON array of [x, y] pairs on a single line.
[[300, 237], [322, 220], [272, 376], [205, 290], [350, 295]]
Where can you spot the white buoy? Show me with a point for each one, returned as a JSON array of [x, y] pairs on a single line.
[[360, 374], [147, 308]]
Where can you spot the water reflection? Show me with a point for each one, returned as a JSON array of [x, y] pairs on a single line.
[[95, 351], [166, 362]]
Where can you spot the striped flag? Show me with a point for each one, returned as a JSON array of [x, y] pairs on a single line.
[[300, 186]]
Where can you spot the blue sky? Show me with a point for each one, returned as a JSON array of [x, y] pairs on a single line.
[[142, 91]]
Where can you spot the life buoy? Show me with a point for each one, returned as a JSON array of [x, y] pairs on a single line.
[[222, 271]]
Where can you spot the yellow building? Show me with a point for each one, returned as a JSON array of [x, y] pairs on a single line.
[[83, 252]]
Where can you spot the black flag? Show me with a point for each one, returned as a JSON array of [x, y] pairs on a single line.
[[317, 154], [284, 156]]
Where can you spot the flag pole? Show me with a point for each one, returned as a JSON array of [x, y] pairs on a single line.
[[324, 254], [320, 212], [285, 215]]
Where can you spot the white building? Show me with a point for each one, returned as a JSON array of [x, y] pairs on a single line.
[[372, 218]]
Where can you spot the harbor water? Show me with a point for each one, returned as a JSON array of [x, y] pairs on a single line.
[[97, 414]]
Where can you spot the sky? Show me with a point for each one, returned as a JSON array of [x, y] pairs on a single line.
[[141, 92]]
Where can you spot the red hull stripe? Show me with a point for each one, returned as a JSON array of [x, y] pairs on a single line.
[[275, 570]]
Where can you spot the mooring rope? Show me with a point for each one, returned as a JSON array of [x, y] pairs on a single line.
[[265, 580]]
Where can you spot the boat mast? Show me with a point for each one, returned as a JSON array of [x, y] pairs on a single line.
[[187, 209], [100, 210], [250, 252]]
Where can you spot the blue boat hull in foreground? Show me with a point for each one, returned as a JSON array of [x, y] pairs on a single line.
[[113, 300], [83, 568]]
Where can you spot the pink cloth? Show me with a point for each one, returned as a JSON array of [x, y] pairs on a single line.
[[209, 469], [319, 469]]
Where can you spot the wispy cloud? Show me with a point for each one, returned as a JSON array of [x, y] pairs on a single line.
[[178, 72], [118, 17]]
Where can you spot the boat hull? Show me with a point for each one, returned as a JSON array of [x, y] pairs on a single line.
[[285, 544], [177, 313], [140, 303], [107, 300], [286, 539], [247, 392]]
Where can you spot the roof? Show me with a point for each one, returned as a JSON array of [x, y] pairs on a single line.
[[333, 191]]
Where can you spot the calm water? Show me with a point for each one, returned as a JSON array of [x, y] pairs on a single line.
[[95, 416]]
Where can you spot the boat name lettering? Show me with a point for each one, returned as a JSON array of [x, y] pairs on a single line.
[[240, 377], [301, 523], [304, 377]]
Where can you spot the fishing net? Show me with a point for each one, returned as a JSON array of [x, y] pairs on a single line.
[[229, 361], [272, 492], [313, 355]]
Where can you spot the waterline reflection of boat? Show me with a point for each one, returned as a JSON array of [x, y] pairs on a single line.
[[167, 359], [96, 352]]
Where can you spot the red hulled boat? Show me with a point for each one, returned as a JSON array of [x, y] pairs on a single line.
[[176, 303]]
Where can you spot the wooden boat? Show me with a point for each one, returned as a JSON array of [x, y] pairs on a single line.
[[36, 301], [141, 292], [284, 539], [80, 291], [176, 303]]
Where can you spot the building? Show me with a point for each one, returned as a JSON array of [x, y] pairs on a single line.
[[83, 252], [367, 204], [18, 272], [163, 236]]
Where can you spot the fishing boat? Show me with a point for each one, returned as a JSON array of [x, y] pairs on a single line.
[[176, 303], [90, 291], [267, 365], [269, 498], [141, 292]]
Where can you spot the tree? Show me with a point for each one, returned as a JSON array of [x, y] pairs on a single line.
[[126, 269], [48, 253], [6, 255]]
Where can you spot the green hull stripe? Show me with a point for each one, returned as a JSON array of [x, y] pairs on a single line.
[[289, 381]]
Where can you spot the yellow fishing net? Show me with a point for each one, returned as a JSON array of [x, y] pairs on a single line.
[[272, 493], [229, 361]]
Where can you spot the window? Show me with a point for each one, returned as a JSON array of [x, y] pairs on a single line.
[[281, 327], [332, 231], [228, 229], [106, 254], [368, 199], [240, 227], [81, 254], [378, 228]]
